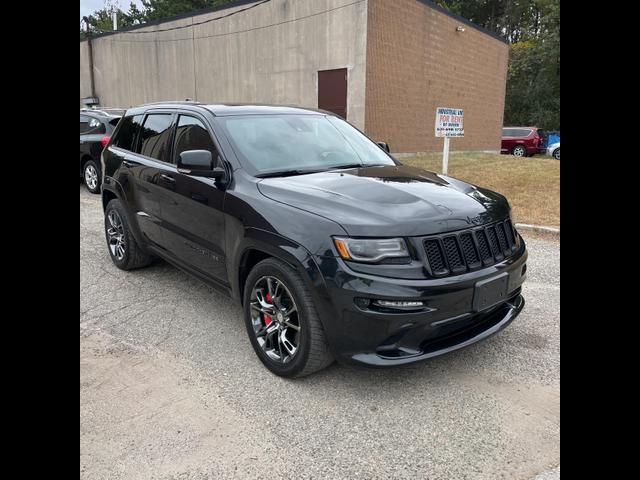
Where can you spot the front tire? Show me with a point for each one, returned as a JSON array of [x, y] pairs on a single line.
[[282, 322], [91, 176], [556, 153], [125, 253], [519, 151]]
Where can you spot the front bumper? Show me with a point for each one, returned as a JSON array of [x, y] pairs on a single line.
[[452, 318]]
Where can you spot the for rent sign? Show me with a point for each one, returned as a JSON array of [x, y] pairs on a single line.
[[449, 122]]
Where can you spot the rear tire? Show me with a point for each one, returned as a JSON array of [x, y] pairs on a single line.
[[125, 253], [519, 151], [312, 352], [91, 176]]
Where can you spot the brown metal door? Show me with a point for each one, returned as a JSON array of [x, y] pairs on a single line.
[[332, 91]]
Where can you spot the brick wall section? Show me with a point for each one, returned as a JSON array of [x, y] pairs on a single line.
[[416, 61]]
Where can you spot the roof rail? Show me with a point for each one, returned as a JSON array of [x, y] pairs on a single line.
[[104, 111], [187, 101]]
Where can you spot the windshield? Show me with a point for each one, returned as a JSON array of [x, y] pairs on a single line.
[[280, 143]]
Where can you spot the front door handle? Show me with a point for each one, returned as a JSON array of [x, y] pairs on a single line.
[[127, 163], [167, 178]]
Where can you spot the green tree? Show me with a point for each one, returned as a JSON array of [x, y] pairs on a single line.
[[533, 82], [101, 20], [158, 9], [532, 28], [515, 20]]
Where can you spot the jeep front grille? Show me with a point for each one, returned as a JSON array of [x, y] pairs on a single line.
[[467, 250]]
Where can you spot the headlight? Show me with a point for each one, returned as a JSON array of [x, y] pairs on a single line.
[[371, 249]]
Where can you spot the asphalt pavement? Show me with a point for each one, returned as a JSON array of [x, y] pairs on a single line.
[[170, 389]]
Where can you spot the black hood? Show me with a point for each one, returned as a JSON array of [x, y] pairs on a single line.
[[389, 200]]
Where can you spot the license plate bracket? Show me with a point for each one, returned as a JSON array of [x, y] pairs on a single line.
[[490, 292]]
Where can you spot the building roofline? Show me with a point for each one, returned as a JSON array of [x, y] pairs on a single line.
[[239, 3], [467, 22], [193, 13]]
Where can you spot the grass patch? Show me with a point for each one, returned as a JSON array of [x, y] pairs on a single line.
[[532, 184]]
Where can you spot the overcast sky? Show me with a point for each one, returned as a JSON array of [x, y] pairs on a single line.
[[87, 7]]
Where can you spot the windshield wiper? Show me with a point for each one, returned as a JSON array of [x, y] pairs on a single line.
[[289, 173], [298, 171], [357, 165]]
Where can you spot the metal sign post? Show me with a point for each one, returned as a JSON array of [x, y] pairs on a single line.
[[445, 156], [449, 123]]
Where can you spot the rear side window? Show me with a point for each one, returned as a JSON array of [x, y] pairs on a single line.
[[91, 125], [126, 134], [84, 124], [155, 136], [191, 134], [515, 132]]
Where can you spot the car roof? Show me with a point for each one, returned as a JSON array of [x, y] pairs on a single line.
[[101, 114], [229, 109], [520, 127]]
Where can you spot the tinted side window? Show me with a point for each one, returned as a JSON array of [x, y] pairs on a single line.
[[84, 123], [515, 132], [96, 126], [191, 134], [126, 133], [112, 124], [155, 136]]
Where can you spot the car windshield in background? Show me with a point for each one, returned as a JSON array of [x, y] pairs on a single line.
[[272, 144]]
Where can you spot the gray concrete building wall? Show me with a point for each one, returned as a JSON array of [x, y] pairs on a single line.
[[268, 54], [85, 81]]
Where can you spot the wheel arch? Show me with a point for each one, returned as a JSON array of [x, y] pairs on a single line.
[[112, 189], [85, 158], [258, 245], [83, 161]]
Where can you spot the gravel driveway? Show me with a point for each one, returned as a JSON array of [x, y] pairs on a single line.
[[170, 388]]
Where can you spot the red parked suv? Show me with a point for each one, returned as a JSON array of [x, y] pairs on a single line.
[[522, 141]]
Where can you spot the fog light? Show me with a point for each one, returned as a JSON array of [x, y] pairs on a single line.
[[362, 302], [389, 304]]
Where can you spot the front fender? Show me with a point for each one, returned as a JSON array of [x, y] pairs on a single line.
[[275, 246], [289, 252]]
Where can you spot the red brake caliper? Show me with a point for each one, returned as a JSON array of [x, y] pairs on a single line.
[[267, 318]]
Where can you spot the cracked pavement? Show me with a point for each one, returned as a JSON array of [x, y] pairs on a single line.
[[170, 388]]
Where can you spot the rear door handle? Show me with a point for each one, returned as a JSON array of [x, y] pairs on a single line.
[[127, 163]]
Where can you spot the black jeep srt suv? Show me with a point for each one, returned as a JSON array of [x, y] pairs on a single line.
[[334, 249]]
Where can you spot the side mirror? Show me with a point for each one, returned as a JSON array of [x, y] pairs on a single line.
[[384, 146], [199, 164]]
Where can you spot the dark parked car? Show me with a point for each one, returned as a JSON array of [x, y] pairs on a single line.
[[522, 141], [335, 249], [95, 128]]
